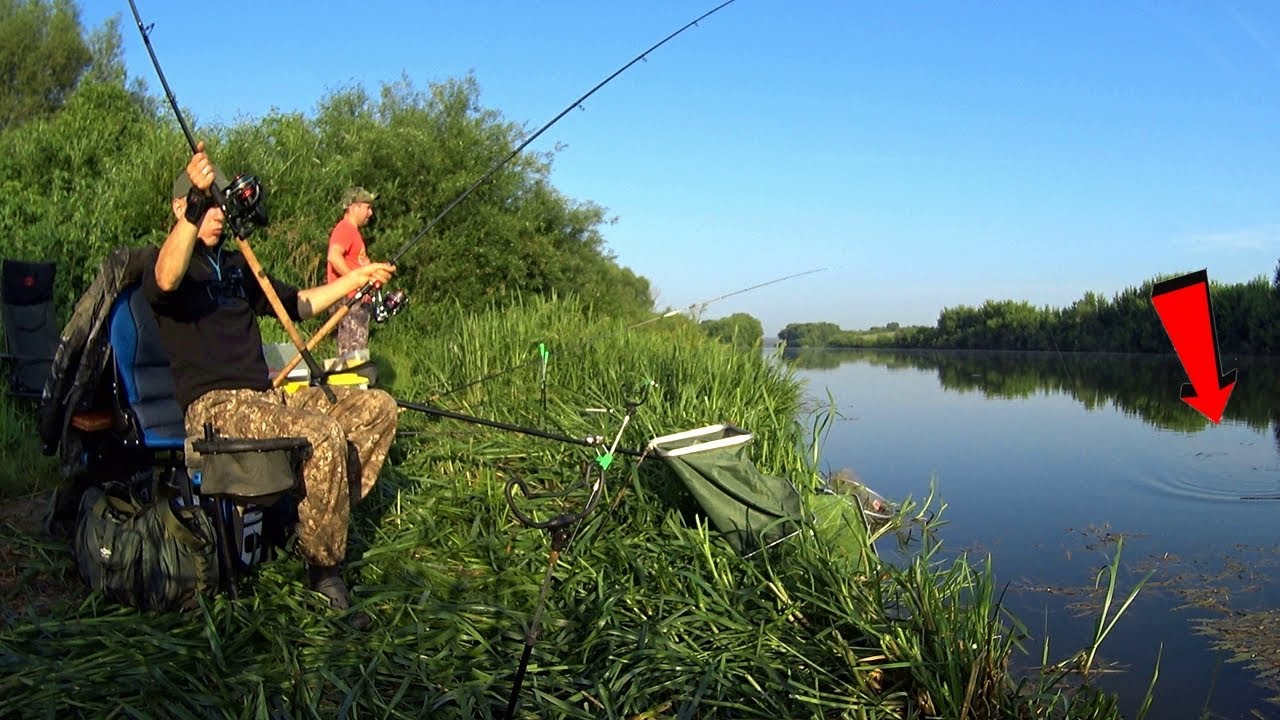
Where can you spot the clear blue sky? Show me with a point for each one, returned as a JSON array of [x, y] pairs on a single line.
[[929, 153]]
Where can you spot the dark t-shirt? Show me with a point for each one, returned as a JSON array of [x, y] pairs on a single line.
[[209, 325]]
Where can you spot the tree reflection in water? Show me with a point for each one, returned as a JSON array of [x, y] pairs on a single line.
[[1142, 386]]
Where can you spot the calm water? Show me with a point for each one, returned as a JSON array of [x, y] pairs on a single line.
[[1039, 455]]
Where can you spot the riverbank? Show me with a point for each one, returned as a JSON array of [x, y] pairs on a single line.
[[650, 614]]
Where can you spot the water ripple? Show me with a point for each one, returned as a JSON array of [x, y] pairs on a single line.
[[1214, 476]]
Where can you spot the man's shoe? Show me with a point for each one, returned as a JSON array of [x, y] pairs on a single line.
[[328, 582], [333, 588]]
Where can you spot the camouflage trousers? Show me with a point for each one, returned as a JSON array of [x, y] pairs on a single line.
[[349, 441], [353, 329]]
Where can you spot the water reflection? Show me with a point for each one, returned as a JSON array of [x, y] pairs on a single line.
[[1141, 386], [1092, 446]]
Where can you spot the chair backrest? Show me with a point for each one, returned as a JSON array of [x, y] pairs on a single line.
[[30, 329], [145, 376]]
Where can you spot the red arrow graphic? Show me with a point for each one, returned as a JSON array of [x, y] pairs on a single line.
[[1184, 307]]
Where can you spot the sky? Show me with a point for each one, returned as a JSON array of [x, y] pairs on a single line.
[[927, 154]]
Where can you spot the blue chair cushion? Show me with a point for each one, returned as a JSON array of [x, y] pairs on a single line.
[[144, 370]]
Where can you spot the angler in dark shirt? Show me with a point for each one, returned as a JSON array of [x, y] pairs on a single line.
[[207, 303]]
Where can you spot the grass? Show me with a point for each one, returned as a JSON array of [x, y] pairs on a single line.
[[650, 613], [24, 471]]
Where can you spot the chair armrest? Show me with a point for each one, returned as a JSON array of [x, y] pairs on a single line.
[[214, 446]]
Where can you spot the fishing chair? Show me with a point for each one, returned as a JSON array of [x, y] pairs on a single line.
[[30, 330], [237, 481]]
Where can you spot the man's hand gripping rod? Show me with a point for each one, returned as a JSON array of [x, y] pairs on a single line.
[[321, 334]]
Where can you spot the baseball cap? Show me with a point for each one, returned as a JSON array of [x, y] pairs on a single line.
[[182, 183], [357, 194]]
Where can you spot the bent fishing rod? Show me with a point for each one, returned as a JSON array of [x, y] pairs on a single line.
[[698, 307], [345, 307], [241, 203]]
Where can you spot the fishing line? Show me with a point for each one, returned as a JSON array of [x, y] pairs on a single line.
[[1061, 358]]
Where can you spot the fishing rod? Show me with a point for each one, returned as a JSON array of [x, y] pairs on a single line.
[[591, 441], [543, 355], [360, 294], [241, 203], [700, 306]]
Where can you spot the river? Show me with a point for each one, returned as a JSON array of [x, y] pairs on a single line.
[[1044, 460]]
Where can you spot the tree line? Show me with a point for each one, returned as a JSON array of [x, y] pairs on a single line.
[[1247, 318], [739, 329]]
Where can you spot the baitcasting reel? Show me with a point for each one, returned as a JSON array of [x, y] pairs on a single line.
[[244, 208], [388, 305]]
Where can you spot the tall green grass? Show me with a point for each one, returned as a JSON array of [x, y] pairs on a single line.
[[650, 615], [24, 470]]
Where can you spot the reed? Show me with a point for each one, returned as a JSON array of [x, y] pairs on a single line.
[[1107, 620], [24, 471]]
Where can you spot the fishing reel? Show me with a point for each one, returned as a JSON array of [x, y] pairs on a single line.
[[244, 206], [388, 305]]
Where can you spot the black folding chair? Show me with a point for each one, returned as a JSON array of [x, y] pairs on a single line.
[[30, 328]]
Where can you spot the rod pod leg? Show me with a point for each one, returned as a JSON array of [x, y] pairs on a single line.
[[559, 540]]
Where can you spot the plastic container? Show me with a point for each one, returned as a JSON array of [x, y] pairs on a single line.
[[339, 380]]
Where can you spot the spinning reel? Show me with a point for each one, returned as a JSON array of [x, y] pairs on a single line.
[[388, 305], [244, 206]]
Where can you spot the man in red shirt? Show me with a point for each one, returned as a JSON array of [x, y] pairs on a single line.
[[346, 253]]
